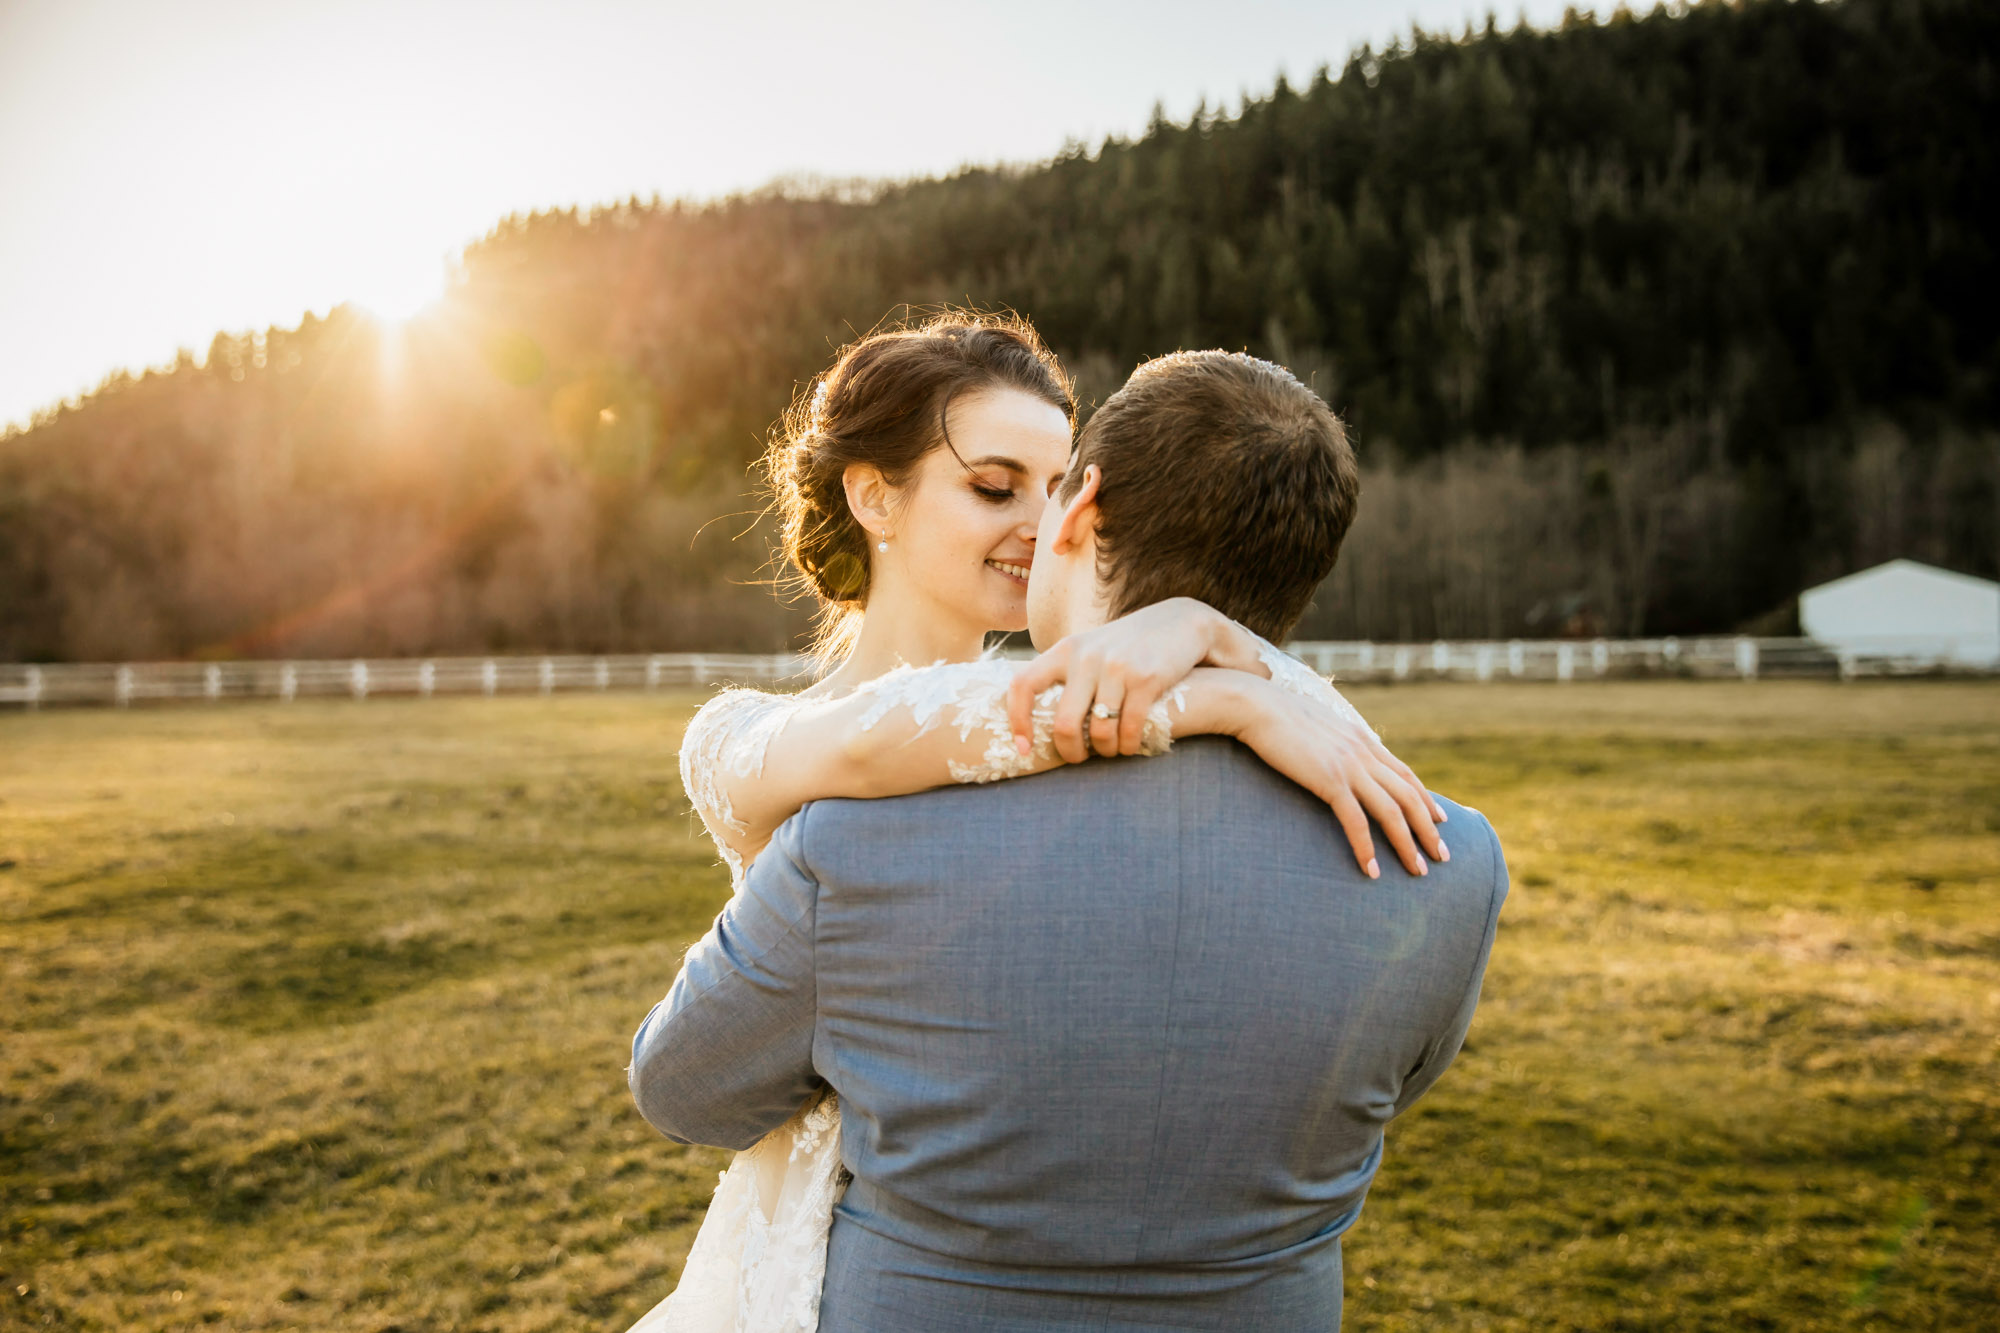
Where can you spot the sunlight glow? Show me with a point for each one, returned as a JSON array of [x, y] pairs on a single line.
[[294, 157], [395, 290]]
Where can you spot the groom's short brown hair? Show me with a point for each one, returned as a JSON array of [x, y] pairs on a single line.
[[1224, 479]]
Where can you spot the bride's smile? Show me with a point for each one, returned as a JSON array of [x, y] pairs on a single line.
[[1017, 571]]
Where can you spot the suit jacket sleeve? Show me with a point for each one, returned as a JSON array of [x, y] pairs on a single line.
[[1441, 1052], [727, 1056]]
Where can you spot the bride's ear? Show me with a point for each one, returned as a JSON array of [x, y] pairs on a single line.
[[869, 496], [1079, 518]]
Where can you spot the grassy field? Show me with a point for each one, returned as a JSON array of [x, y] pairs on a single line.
[[315, 1015]]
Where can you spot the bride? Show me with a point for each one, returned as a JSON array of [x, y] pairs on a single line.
[[911, 482]]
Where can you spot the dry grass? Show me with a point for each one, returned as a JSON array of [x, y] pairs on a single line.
[[315, 1015]]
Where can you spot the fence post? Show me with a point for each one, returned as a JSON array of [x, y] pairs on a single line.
[[1746, 658], [1600, 657], [357, 679], [489, 676], [427, 679], [1402, 663], [34, 687], [1482, 661], [288, 683], [122, 691], [1565, 661], [1368, 655], [548, 676], [211, 682], [601, 676], [653, 672], [1440, 656], [698, 668], [1517, 657]]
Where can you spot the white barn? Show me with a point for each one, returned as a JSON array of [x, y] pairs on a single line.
[[1904, 609]]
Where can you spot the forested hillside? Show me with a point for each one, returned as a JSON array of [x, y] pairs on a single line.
[[1641, 327]]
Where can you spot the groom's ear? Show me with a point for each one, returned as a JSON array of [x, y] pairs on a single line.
[[1079, 520]]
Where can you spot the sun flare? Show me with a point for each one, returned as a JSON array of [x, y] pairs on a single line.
[[396, 290]]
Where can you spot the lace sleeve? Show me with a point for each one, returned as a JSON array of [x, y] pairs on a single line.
[[971, 699], [727, 739], [1295, 677]]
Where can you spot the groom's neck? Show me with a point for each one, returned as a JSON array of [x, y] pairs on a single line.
[[1091, 608], [1071, 598]]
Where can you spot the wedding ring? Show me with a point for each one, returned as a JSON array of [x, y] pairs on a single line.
[[1103, 714]]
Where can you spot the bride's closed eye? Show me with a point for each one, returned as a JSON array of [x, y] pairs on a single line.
[[993, 494]]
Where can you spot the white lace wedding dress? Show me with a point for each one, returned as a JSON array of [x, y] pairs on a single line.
[[759, 1257]]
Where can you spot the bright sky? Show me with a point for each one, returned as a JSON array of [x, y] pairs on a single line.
[[168, 170]]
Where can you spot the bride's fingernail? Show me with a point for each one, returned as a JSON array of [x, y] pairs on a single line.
[[1444, 852], [1374, 869], [1021, 744]]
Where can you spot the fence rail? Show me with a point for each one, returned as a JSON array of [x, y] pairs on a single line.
[[1733, 657], [124, 684]]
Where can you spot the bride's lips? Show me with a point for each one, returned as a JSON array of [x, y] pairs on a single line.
[[1010, 569]]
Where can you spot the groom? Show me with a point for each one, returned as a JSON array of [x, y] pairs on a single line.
[[1115, 1046]]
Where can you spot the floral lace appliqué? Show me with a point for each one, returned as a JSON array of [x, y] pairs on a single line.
[[1295, 677], [759, 1260], [973, 696], [728, 738]]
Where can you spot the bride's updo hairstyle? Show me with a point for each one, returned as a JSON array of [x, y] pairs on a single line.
[[884, 402]]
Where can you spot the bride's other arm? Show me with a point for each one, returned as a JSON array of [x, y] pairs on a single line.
[[1128, 664]]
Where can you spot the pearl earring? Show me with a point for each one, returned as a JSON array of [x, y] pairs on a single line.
[[883, 545]]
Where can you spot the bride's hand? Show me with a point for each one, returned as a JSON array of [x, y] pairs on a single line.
[[1125, 666], [1339, 760]]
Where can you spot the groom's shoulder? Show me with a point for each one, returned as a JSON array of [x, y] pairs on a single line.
[[1256, 807], [1221, 780], [1016, 816], [1206, 791], [1475, 851]]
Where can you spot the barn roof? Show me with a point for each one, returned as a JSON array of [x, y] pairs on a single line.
[[1903, 567]]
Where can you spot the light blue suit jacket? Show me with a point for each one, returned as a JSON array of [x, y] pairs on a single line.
[[1115, 1045]]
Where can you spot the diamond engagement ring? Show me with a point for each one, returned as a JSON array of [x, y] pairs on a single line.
[[1103, 714]]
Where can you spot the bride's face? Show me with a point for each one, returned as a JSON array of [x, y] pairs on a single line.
[[964, 532]]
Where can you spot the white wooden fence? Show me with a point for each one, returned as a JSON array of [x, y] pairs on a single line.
[[1521, 659], [1566, 660], [124, 684]]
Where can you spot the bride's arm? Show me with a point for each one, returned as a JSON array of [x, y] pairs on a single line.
[[918, 728], [1136, 658], [907, 731], [1128, 663]]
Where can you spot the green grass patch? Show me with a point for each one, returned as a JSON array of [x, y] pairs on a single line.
[[316, 1015]]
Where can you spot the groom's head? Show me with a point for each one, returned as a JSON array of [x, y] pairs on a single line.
[[1211, 475]]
